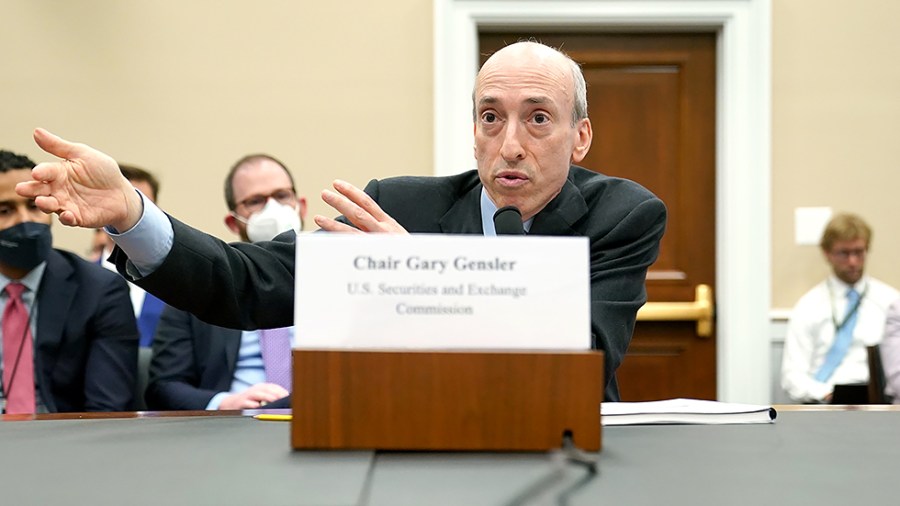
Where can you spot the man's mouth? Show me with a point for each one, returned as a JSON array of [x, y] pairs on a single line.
[[511, 179]]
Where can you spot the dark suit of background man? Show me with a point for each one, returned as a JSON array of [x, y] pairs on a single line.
[[531, 125], [79, 352], [201, 366]]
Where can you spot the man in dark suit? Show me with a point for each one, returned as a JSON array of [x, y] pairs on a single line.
[[69, 335], [531, 125], [196, 365], [192, 362]]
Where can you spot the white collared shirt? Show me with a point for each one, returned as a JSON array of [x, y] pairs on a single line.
[[811, 332]]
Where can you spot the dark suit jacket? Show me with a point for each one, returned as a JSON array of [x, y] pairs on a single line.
[[192, 362], [250, 285], [87, 342]]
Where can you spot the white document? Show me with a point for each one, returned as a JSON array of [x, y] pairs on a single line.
[[382, 291], [684, 411]]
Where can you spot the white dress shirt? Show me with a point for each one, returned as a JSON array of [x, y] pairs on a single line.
[[811, 332]]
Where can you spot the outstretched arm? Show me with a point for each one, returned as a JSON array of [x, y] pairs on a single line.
[[85, 188]]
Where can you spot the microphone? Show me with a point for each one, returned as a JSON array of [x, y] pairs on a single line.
[[508, 221]]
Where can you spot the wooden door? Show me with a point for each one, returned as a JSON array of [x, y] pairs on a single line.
[[651, 100]]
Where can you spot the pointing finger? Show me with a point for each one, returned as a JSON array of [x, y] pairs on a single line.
[[53, 144], [46, 171], [32, 189]]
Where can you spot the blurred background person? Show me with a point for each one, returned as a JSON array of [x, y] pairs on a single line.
[[69, 340], [890, 352], [832, 324], [196, 365]]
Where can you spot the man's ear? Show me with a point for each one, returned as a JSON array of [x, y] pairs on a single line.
[[301, 207], [231, 223], [585, 134], [301, 210]]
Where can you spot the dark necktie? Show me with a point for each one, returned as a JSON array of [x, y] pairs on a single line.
[[151, 309], [18, 353]]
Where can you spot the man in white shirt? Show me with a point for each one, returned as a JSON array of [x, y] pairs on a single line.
[[832, 324]]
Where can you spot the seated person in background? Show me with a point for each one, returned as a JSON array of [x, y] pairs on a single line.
[[69, 341], [196, 365], [832, 324], [147, 307], [890, 351], [530, 127]]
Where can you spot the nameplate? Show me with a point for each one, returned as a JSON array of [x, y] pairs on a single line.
[[382, 291]]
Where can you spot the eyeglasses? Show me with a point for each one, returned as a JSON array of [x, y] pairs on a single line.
[[255, 203], [845, 254]]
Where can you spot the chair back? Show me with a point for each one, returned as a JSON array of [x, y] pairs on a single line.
[[876, 377], [145, 353]]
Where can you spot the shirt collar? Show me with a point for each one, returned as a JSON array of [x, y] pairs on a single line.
[[31, 280], [488, 208], [839, 287]]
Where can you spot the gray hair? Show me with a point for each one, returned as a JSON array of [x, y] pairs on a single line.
[[580, 111]]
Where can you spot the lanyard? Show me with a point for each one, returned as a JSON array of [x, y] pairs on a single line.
[[850, 313]]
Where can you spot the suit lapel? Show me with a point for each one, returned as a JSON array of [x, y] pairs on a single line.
[[54, 299], [232, 344], [559, 216], [55, 296], [465, 215]]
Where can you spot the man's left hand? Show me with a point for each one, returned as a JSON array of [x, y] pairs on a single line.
[[359, 208]]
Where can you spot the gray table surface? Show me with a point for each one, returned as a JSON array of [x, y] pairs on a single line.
[[804, 458]]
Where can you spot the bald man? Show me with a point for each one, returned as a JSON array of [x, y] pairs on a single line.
[[530, 126]]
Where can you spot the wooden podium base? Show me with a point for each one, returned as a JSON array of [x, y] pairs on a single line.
[[447, 400]]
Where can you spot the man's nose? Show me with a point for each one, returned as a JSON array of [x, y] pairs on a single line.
[[512, 150], [22, 215]]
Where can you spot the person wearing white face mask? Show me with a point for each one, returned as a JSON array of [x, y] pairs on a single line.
[[261, 199], [196, 365], [272, 220]]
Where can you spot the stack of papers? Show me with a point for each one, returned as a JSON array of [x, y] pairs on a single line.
[[684, 411]]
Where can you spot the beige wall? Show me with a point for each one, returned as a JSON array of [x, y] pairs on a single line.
[[344, 89], [835, 130], [184, 88]]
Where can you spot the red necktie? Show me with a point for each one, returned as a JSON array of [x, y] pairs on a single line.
[[18, 353]]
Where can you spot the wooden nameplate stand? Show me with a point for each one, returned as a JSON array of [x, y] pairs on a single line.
[[446, 400]]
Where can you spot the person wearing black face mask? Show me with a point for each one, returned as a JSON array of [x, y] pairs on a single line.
[[69, 338]]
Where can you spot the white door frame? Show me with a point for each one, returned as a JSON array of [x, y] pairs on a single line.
[[743, 144]]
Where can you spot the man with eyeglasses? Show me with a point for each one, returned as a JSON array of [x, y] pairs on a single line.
[[832, 324], [198, 366]]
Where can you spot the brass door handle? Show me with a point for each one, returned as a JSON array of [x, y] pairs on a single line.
[[700, 310]]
